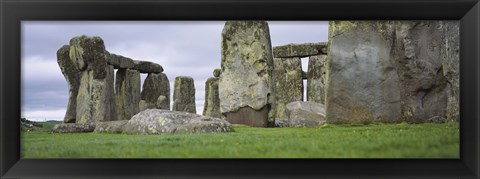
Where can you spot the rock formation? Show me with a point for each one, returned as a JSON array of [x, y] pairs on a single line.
[[93, 101], [154, 86], [184, 94], [72, 76], [389, 71], [451, 63], [316, 78], [300, 50], [305, 114], [288, 79], [212, 101], [246, 86], [127, 93], [111, 126], [157, 121], [73, 128]]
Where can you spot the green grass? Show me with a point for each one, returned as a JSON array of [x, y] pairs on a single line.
[[332, 141]]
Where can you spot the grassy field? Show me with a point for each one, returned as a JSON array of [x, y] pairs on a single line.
[[332, 141]]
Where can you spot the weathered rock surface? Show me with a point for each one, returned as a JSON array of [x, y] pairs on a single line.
[[212, 101], [300, 50], [73, 128], [127, 93], [72, 76], [316, 79], [363, 85], [419, 66], [119, 61], [157, 121], [144, 105], [184, 94], [88, 53], [163, 103], [147, 67], [249, 116], [451, 62], [93, 99], [110, 94], [287, 74], [246, 78], [375, 67], [304, 114], [111, 126], [217, 72], [154, 86]]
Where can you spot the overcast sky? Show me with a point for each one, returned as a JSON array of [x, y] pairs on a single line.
[[189, 48]]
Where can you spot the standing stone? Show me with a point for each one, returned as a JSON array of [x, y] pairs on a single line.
[[184, 94], [155, 85], [362, 84], [451, 62], [127, 93], [93, 103], [287, 73], [163, 102], [246, 87], [110, 94], [420, 68], [316, 79], [212, 101], [72, 75]]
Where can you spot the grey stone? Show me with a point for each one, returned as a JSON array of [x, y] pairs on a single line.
[[147, 67], [163, 103], [111, 126], [144, 105], [300, 50], [287, 74], [73, 128], [362, 83], [88, 53], [212, 101], [217, 72], [127, 93], [184, 94], [72, 76], [419, 60], [157, 121], [451, 61], [111, 114], [247, 62], [316, 79], [119, 61], [305, 114], [155, 85]]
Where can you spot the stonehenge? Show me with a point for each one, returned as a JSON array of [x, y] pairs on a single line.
[[211, 106], [184, 95], [246, 86], [97, 94], [367, 72]]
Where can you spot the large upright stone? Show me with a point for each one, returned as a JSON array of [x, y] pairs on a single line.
[[72, 75], [246, 88], [316, 79], [184, 94], [362, 85], [154, 86], [211, 106], [287, 73], [93, 102], [110, 94], [451, 62], [127, 93], [420, 68]]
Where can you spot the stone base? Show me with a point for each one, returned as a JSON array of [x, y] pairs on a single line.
[[249, 116]]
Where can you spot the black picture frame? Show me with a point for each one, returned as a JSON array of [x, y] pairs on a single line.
[[12, 12]]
